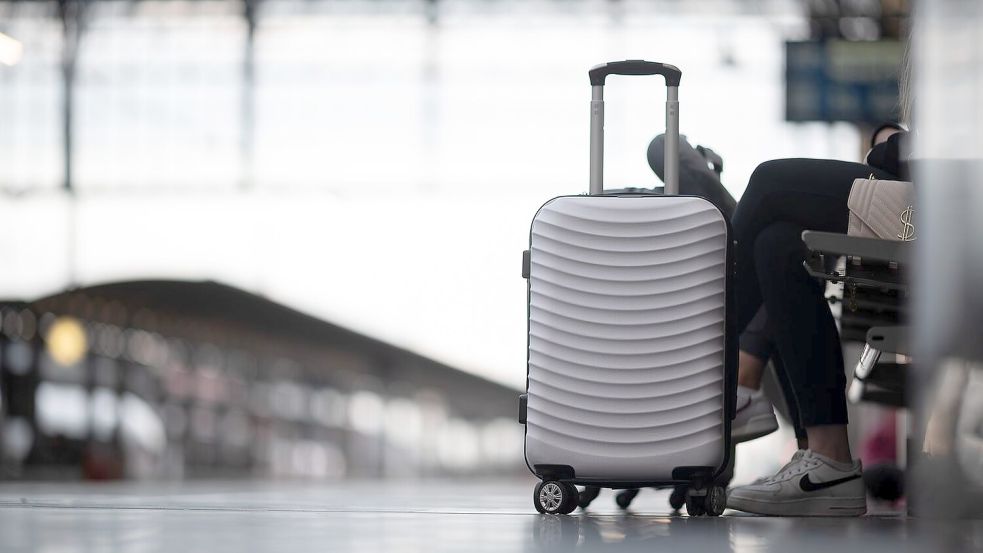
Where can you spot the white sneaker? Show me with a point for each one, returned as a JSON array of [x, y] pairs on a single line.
[[809, 485], [755, 416], [795, 457]]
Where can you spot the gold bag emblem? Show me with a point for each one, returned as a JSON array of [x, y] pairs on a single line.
[[908, 230]]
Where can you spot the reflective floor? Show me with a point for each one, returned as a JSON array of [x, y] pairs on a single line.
[[442, 516]]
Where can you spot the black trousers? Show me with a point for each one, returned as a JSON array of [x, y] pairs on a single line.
[[783, 198], [757, 341]]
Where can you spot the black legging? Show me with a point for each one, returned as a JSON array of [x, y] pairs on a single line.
[[757, 340], [783, 198]]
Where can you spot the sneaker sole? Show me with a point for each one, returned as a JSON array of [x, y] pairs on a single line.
[[754, 428], [805, 507]]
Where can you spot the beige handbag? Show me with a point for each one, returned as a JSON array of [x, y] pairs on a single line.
[[882, 209]]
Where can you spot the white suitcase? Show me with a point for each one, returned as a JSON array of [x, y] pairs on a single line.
[[631, 368]]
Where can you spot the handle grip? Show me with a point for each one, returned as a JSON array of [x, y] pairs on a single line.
[[599, 73]]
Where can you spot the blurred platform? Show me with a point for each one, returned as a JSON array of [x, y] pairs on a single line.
[[417, 517]]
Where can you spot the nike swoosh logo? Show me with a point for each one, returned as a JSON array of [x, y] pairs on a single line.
[[810, 486]]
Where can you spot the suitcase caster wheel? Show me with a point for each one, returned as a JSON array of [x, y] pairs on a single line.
[[625, 497], [535, 498], [589, 494], [694, 505], [677, 499], [715, 501], [555, 498], [573, 499]]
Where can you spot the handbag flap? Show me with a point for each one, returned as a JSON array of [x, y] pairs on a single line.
[[883, 208]]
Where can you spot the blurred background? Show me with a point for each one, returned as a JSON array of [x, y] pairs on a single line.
[[282, 238]]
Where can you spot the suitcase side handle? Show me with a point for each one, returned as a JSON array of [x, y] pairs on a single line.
[[597, 75]]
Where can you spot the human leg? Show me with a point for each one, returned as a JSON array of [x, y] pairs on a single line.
[[756, 347], [794, 195], [824, 479], [830, 440], [752, 402], [788, 394], [751, 370], [812, 193], [695, 176], [805, 336], [755, 416]]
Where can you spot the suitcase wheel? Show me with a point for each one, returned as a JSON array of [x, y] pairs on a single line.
[[677, 499], [712, 502], [715, 501], [694, 505], [553, 497], [625, 497], [589, 494]]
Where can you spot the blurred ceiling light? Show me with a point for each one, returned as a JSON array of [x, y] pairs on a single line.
[[66, 341], [11, 50]]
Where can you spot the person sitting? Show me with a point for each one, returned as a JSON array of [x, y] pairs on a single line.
[[784, 317], [784, 198], [788, 309]]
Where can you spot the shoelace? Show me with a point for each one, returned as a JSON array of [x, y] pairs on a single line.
[[796, 457]]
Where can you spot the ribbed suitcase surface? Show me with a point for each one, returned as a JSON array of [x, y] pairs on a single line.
[[627, 305]]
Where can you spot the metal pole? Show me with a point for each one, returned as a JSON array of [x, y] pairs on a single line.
[[672, 142], [70, 12], [248, 109], [597, 139]]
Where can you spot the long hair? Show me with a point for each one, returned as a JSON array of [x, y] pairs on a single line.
[[906, 87]]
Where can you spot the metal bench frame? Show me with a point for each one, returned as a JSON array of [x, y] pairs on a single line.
[[877, 267]]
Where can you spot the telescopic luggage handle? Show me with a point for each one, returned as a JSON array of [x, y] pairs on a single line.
[[598, 74], [634, 67]]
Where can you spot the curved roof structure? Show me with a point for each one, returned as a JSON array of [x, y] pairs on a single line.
[[211, 312]]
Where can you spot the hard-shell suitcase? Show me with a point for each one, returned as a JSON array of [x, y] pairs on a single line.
[[631, 366]]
